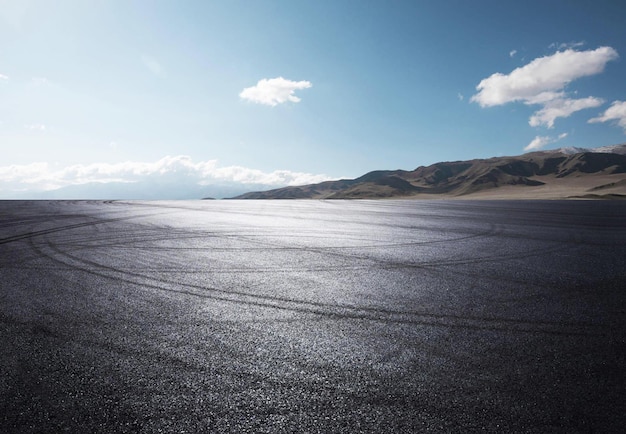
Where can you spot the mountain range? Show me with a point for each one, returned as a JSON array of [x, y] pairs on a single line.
[[555, 174]]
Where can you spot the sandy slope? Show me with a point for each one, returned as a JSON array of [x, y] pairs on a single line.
[[603, 186]]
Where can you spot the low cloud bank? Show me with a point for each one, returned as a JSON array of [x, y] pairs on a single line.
[[168, 173]]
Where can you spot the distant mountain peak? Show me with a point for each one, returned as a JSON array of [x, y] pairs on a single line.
[[611, 149]]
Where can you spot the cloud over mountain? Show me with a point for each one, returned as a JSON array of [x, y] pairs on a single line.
[[541, 142]]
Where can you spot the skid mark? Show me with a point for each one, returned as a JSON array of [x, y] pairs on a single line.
[[328, 310]]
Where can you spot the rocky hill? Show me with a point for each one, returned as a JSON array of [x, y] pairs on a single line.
[[560, 173]]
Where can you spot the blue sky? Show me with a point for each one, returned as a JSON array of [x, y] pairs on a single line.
[[284, 92]]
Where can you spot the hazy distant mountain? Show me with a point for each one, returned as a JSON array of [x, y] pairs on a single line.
[[560, 173]]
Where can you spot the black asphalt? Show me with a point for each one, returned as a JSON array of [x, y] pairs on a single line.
[[313, 316]]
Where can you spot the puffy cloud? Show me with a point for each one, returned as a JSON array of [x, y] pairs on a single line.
[[617, 112], [543, 76], [542, 82], [168, 170], [561, 108], [245, 175], [28, 173], [512, 53], [540, 142], [274, 91]]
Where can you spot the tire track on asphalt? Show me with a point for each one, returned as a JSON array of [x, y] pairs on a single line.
[[332, 311], [308, 218], [433, 266], [31, 234], [265, 244]]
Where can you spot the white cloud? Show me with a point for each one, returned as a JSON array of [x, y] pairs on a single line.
[[543, 81], [460, 96], [173, 170], [512, 53], [3, 77], [617, 112], [561, 108], [540, 142], [544, 74], [274, 91], [153, 65], [22, 173]]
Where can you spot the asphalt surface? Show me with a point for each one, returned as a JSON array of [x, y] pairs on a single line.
[[312, 316]]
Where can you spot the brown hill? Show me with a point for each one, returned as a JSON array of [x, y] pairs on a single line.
[[560, 173]]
